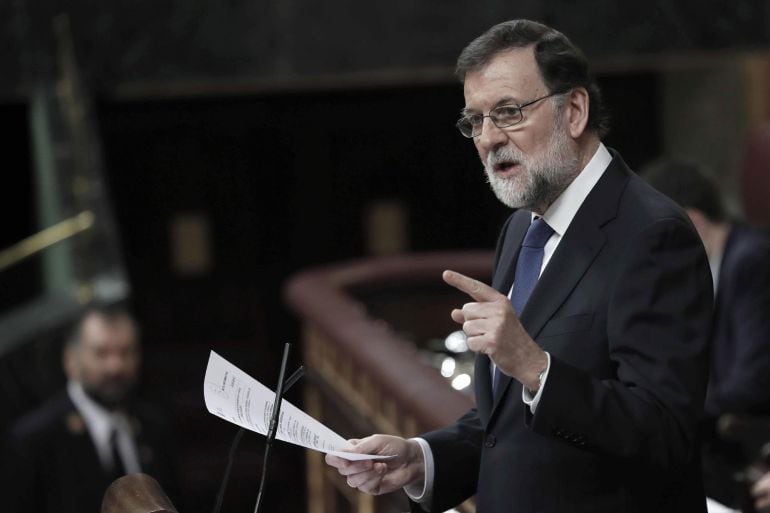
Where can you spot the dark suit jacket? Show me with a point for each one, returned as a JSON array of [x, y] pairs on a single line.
[[51, 465], [740, 369], [739, 382], [624, 309]]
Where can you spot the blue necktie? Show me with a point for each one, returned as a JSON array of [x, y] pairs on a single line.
[[527, 270]]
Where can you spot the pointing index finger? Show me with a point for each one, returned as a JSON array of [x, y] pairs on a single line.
[[477, 290]]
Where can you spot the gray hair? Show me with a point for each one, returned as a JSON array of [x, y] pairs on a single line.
[[562, 65]]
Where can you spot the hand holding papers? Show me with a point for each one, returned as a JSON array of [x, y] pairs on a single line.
[[238, 398]]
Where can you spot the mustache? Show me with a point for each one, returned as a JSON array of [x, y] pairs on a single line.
[[504, 154]]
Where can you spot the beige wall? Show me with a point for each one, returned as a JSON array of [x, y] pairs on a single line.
[[708, 111]]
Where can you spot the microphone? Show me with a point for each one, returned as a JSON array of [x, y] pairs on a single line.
[[273, 429], [290, 381]]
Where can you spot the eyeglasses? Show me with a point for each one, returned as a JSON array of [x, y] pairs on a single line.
[[502, 117]]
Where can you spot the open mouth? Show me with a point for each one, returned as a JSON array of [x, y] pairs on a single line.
[[505, 166]]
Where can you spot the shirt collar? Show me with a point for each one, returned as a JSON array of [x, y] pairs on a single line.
[[560, 214], [98, 419]]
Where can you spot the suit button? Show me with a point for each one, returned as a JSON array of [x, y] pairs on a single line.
[[490, 441]]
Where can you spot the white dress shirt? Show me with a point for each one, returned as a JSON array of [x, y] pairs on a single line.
[[715, 263], [100, 423], [558, 216]]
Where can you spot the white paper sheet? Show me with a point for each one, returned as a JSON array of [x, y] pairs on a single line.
[[713, 506], [235, 396]]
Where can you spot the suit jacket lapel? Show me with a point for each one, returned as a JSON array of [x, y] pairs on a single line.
[[80, 448], [573, 256]]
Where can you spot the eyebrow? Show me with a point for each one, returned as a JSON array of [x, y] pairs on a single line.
[[505, 100]]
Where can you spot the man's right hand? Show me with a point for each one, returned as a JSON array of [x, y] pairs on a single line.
[[376, 477]]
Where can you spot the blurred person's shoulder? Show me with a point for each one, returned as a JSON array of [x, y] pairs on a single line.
[[749, 247], [56, 414], [751, 239]]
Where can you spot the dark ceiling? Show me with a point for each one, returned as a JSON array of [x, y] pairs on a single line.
[[227, 41]]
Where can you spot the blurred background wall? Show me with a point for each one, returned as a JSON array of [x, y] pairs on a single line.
[[224, 145]]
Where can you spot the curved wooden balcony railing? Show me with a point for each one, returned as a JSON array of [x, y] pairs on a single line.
[[363, 323]]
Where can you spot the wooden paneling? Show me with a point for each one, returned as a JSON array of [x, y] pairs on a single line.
[[363, 378]]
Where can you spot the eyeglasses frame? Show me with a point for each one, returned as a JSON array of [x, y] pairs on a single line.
[[519, 107]]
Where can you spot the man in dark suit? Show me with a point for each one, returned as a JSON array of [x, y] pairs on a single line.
[[739, 256], [737, 410], [62, 456], [596, 326]]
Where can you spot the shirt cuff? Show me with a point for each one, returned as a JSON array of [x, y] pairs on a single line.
[[526, 393], [423, 494]]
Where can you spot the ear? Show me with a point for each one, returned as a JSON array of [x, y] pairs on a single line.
[[576, 111], [700, 221], [698, 218]]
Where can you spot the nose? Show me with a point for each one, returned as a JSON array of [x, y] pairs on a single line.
[[491, 137], [115, 365], [118, 363]]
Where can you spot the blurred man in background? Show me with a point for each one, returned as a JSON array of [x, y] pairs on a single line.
[[738, 395], [62, 456]]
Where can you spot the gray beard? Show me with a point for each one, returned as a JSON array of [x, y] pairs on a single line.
[[541, 181]]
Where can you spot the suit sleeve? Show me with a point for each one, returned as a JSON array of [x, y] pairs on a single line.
[[457, 453], [657, 327]]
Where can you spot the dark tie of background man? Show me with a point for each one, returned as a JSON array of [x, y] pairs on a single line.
[[117, 462]]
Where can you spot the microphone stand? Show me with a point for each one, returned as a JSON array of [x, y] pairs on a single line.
[[273, 429], [290, 381]]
